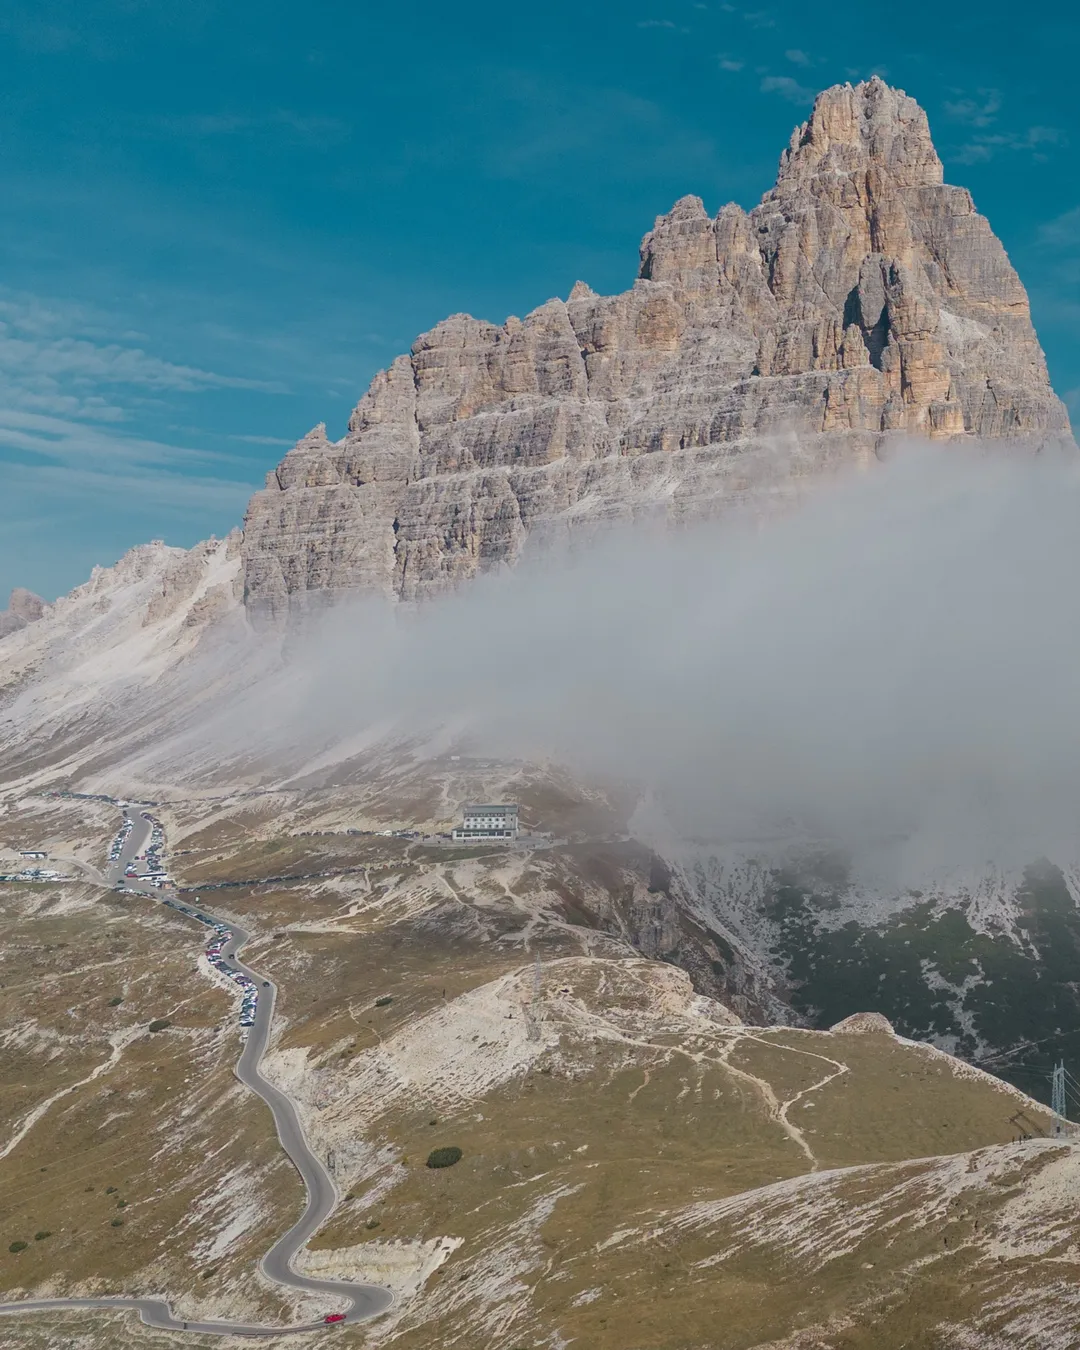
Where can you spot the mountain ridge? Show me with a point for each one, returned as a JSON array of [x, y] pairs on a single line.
[[862, 301], [637, 1161], [887, 310]]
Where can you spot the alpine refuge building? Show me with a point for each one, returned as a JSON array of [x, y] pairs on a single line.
[[488, 822]]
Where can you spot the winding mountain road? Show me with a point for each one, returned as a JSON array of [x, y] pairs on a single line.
[[364, 1300]]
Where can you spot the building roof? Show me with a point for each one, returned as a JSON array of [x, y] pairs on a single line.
[[490, 810]]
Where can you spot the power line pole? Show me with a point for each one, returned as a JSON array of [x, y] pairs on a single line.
[[1057, 1098]]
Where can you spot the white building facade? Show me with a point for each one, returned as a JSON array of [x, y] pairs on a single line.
[[488, 822]]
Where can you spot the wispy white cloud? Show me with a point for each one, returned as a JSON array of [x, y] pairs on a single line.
[[1063, 231], [51, 487], [1037, 141], [797, 57], [756, 18], [87, 466], [81, 361], [43, 317], [729, 63], [77, 475], [559, 122], [788, 88], [979, 110], [262, 440], [61, 358], [47, 545], [43, 439], [306, 127]]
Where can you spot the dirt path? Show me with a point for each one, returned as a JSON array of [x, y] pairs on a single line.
[[779, 1109]]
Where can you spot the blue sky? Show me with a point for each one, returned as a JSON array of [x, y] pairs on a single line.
[[220, 219]]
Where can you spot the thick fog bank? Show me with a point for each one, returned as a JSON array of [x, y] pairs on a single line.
[[900, 658]]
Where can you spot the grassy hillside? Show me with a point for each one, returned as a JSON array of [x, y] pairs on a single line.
[[640, 1170]]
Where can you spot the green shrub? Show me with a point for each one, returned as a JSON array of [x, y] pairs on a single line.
[[209, 1274], [121, 1204], [115, 1002], [110, 1190], [443, 1157], [371, 1223], [42, 1234], [159, 1024], [384, 1002], [18, 1246], [118, 1223]]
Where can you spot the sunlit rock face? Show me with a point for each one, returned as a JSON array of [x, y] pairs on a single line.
[[862, 300]]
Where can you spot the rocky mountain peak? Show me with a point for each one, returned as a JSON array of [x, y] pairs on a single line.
[[863, 299], [23, 607], [857, 129]]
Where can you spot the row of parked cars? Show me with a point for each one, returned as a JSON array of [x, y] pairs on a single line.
[[155, 868], [223, 935], [117, 845], [250, 1000]]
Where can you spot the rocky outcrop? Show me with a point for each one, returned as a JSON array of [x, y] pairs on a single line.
[[185, 586], [24, 607], [863, 299], [121, 661], [864, 1024]]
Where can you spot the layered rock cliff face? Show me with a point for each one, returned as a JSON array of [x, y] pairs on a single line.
[[861, 300]]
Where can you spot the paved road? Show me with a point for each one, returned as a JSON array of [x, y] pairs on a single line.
[[359, 1301]]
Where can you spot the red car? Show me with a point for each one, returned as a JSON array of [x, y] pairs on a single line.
[[334, 1317]]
